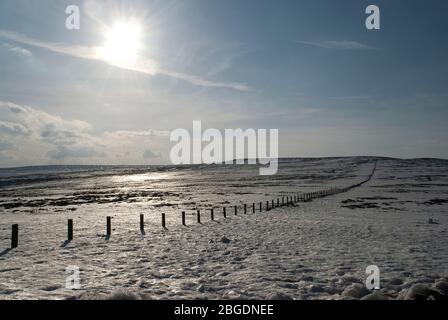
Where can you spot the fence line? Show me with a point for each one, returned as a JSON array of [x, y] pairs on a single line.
[[290, 200]]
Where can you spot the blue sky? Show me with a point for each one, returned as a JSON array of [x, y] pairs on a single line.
[[308, 68]]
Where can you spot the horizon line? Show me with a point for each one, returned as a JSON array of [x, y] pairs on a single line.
[[221, 163]]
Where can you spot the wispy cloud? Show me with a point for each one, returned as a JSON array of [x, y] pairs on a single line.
[[58, 139], [17, 49], [144, 65], [341, 45]]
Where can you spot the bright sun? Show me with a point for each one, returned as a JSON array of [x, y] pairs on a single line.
[[122, 44]]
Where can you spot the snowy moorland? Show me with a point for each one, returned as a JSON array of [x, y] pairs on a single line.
[[398, 221]]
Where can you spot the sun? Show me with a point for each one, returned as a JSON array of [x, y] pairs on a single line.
[[122, 44]]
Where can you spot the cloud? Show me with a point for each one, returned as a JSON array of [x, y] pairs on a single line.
[[145, 133], [148, 154], [143, 65], [341, 45], [69, 138], [26, 120], [12, 128], [36, 134], [17, 49]]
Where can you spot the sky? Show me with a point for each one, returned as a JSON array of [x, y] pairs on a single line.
[[310, 69]]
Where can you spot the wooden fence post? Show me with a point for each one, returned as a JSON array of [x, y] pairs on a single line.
[[108, 226], [142, 223], [163, 221], [15, 236], [183, 218], [70, 230]]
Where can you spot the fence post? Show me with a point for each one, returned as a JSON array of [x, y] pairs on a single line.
[[278, 202], [108, 227], [236, 210], [163, 221], [253, 207], [272, 204], [15, 236], [199, 216], [70, 230], [260, 207], [183, 218], [267, 205], [245, 209], [142, 223], [224, 212], [212, 215]]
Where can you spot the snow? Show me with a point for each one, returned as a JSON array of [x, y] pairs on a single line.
[[311, 250]]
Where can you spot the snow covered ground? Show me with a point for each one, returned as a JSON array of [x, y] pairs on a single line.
[[314, 250]]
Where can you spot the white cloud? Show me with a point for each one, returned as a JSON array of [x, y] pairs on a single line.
[[12, 128], [17, 49], [143, 65], [146, 133], [55, 140], [341, 45]]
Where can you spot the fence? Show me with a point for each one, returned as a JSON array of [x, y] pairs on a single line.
[[289, 201]]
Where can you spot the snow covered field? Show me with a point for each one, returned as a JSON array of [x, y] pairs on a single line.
[[314, 250]]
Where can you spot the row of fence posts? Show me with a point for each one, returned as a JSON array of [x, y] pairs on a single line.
[[303, 197]]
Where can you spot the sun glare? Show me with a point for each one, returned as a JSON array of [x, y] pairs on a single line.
[[123, 42]]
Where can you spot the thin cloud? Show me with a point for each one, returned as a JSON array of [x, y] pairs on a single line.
[[17, 50], [341, 45], [145, 65], [12, 128], [67, 139]]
